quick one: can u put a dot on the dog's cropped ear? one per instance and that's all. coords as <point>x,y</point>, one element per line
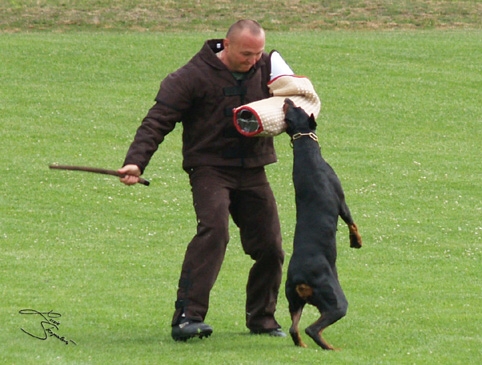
<point>312,122</point>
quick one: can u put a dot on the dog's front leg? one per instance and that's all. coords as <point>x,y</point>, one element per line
<point>355,238</point>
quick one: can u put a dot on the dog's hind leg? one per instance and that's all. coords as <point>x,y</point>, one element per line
<point>316,336</point>
<point>316,329</point>
<point>296,303</point>
<point>294,329</point>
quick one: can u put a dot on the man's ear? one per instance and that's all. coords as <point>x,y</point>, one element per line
<point>312,122</point>
<point>225,43</point>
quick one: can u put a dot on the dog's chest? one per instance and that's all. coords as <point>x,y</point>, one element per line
<point>311,173</point>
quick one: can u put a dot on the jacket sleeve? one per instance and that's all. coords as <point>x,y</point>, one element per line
<point>172,100</point>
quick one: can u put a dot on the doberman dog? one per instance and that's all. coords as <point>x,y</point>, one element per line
<point>312,275</point>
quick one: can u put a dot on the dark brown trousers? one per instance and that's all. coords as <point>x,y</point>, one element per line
<point>244,194</point>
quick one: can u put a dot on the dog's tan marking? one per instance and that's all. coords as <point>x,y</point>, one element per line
<point>304,291</point>
<point>355,238</point>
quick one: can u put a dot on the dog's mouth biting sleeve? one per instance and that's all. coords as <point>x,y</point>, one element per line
<point>265,118</point>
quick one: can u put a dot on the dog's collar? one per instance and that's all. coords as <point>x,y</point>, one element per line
<point>298,135</point>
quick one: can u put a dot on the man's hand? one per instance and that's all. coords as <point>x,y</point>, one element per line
<point>131,172</point>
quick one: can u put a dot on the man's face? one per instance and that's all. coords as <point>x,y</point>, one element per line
<point>243,51</point>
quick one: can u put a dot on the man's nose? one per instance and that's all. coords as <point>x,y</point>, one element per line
<point>253,59</point>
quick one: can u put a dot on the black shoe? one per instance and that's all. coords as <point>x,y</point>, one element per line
<point>188,329</point>
<point>277,332</point>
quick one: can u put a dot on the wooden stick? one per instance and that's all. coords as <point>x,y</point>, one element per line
<point>96,171</point>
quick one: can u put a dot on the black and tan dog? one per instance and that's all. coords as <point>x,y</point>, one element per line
<point>312,275</point>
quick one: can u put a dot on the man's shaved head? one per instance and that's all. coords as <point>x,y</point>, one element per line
<point>243,46</point>
<point>245,24</point>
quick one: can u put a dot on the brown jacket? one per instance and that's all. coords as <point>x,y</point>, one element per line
<point>202,95</point>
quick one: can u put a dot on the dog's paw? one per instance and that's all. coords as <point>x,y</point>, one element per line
<point>355,238</point>
<point>355,241</point>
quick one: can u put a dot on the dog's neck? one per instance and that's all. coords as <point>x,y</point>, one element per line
<point>298,135</point>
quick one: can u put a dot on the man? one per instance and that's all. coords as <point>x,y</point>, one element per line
<point>226,173</point>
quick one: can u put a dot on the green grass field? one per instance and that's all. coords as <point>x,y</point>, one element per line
<point>401,125</point>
